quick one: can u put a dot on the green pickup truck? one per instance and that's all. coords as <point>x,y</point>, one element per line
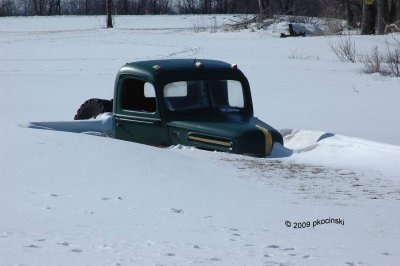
<point>193,102</point>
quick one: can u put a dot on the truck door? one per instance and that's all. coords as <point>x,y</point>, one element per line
<point>137,117</point>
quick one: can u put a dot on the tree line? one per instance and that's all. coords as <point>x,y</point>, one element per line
<point>124,7</point>
<point>372,16</point>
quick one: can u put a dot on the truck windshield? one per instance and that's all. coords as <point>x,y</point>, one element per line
<point>224,95</point>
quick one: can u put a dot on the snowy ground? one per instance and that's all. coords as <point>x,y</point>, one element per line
<point>77,199</point>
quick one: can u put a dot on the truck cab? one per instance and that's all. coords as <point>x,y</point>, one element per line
<point>193,102</point>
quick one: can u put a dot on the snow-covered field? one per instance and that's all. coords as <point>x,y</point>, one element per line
<point>77,199</point>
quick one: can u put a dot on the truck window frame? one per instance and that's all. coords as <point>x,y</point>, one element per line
<point>128,101</point>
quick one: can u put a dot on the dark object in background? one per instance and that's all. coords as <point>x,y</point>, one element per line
<point>293,33</point>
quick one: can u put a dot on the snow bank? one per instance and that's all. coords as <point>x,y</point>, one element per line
<point>315,147</point>
<point>342,152</point>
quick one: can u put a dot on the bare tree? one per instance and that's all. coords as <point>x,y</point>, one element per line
<point>141,7</point>
<point>379,14</point>
<point>109,14</point>
<point>189,6</point>
<point>349,14</point>
<point>222,6</point>
<point>38,7</point>
<point>54,7</point>
<point>382,18</point>
<point>368,18</point>
<point>164,6</point>
<point>286,6</point>
<point>154,7</point>
<point>126,7</point>
<point>263,6</point>
<point>86,7</point>
<point>394,10</point>
<point>7,8</point>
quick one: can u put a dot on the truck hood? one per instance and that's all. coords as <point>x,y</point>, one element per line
<point>248,136</point>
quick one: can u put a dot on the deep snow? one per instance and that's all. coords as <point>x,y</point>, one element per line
<point>77,199</point>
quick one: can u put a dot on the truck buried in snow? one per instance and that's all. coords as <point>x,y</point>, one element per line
<point>202,103</point>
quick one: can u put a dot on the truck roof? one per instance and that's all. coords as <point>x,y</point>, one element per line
<point>169,70</point>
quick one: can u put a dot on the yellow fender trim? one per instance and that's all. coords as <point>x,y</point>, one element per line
<point>268,139</point>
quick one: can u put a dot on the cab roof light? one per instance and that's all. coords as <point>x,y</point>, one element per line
<point>199,64</point>
<point>234,66</point>
<point>158,68</point>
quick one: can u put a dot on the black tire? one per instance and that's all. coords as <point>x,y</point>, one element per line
<point>92,108</point>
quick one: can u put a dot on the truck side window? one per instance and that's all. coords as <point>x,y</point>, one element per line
<point>235,94</point>
<point>138,95</point>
